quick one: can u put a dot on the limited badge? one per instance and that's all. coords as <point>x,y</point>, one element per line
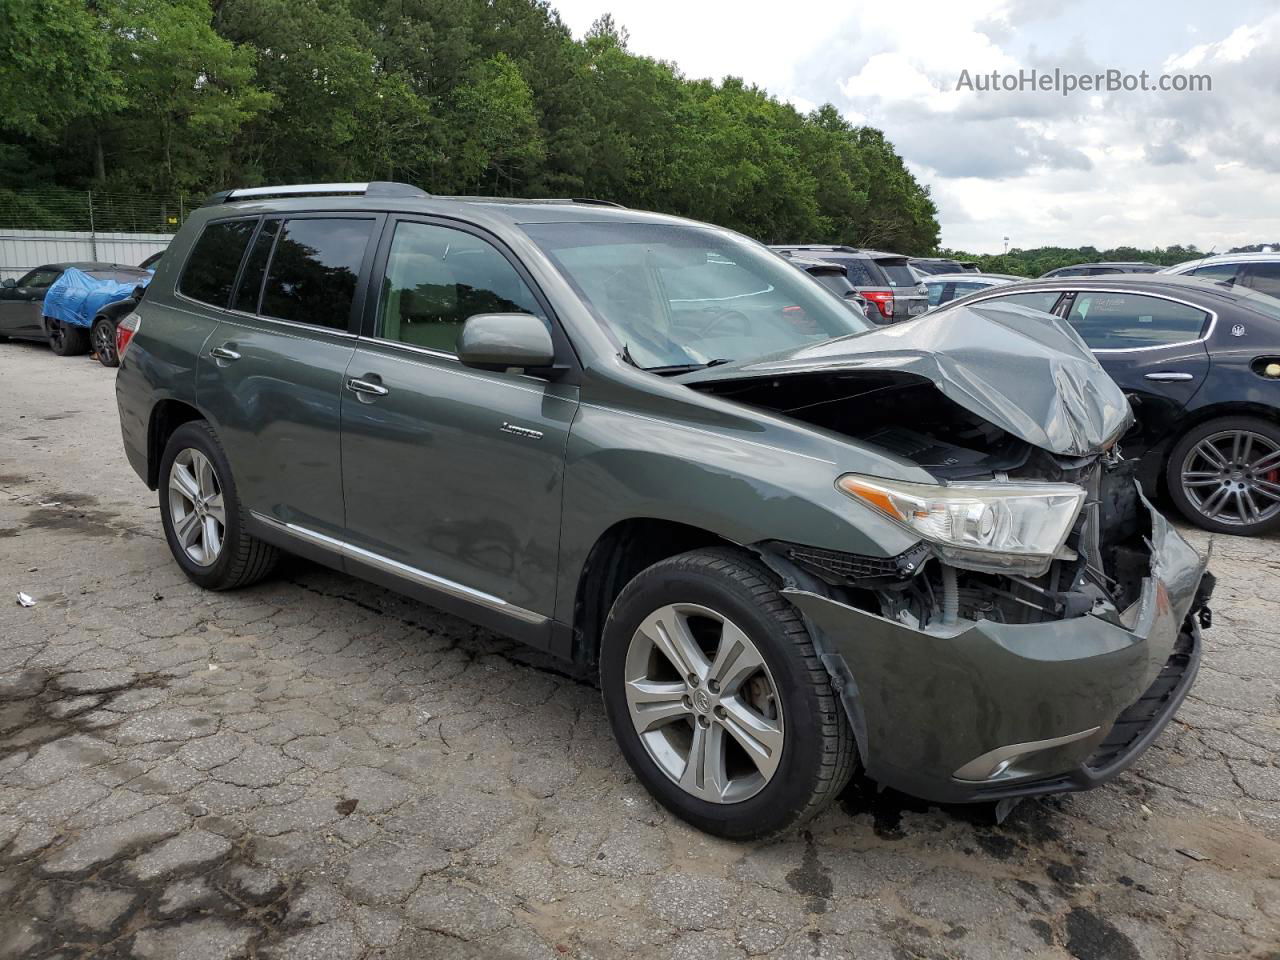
<point>1238,330</point>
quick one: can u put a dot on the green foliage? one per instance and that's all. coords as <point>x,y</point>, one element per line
<point>1038,261</point>
<point>483,96</point>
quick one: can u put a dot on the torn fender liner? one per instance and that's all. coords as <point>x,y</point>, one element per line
<point>1023,370</point>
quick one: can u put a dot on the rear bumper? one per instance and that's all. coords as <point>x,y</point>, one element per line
<point>1016,709</point>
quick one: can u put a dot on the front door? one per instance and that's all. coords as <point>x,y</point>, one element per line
<point>453,476</point>
<point>21,305</point>
<point>1152,346</point>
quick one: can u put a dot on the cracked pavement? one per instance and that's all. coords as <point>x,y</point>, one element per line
<point>316,767</point>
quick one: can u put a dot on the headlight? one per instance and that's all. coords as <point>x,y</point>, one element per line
<point>992,525</point>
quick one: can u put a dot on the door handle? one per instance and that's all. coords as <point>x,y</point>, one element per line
<point>222,353</point>
<point>1168,376</point>
<point>366,391</point>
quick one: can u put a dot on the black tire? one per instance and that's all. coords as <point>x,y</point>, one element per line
<point>66,340</point>
<point>1195,503</point>
<point>818,754</point>
<point>242,559</point>
<point>103,337</point>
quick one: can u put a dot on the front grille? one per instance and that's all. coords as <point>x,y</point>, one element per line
<point>840,567</point>
<point>1150,708</point>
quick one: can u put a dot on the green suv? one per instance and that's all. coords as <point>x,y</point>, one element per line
<point>794,545</point>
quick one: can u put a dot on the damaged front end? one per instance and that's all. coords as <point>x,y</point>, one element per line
<point>967,685</point>
<point>1045,626</point>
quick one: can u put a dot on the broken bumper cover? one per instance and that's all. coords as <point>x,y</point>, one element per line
<point>990,710</point>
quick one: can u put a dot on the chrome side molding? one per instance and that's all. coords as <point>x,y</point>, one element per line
<point>420,577</point>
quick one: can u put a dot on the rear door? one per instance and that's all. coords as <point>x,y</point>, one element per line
<point>272,372</point>
<point>20,305</point>
<point>1153,347</point>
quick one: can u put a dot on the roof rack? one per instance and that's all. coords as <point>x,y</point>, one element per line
<point>374,188</point>
<point>589,200</point>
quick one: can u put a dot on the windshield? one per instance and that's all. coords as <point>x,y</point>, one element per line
<point>678,296</point>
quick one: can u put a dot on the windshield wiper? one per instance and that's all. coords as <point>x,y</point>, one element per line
<point>676,368</point>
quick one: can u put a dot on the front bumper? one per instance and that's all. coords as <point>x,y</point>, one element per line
<point>926,704</point>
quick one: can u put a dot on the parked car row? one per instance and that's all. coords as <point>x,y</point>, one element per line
<point>1199,362</point>
<point>23,315</point>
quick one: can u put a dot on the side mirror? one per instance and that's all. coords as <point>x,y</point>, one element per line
<point>499,341</point>
<point>8,283</point>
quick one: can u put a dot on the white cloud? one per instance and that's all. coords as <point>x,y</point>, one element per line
<point>1098,168</point>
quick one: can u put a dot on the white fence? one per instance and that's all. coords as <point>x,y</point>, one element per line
<point>20,250</point>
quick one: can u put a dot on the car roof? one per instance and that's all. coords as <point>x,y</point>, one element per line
<point>402,198</point>
<point>969,275</point>
<point>823,248</point>
<point>806,262</point>
<point>85,265</point>
<point>1227,258</point>
<point>1170,284</point>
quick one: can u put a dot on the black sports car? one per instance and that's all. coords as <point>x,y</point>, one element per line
<point>22,304</point>
<point>1200,363</point>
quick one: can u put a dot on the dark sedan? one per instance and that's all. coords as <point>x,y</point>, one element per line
<point>1200,363</point>
<point>22,300</point>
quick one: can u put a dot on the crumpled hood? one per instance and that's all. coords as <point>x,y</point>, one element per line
<point>1022,370</point>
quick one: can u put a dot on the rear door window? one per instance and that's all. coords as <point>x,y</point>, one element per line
<point>314,269</point>
<point>210,271</point>
<point>1126,321</point>
<point>1263,277</point>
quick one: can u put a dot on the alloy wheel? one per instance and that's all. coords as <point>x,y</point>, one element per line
<point>196,507</point>
<point>704,703</point>
<point>104,342</point>
<point>1233,477</point>
<point>57,335</point>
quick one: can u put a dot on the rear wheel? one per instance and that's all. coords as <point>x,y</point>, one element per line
<point>717,698</point>
<point>66,340</point>
<point>104,342</point>
<point>202,516</point>
<point>1224,475</point>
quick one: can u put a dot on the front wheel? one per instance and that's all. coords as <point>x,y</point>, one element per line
<point>202,517</point>
<point>104,342</point>
<point>66,340</point>
<point>718,699</point>
<point>1224,475</point>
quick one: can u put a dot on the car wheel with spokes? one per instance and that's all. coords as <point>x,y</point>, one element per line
<point>718,699</point>
<point>64,339</point>
<point>103,338</point>
<point>1224,475</point>
<point>202,515</point>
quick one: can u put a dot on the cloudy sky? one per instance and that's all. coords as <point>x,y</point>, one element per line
<point>1104,169</point>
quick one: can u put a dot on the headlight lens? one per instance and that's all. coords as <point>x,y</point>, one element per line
<point>995,525</point>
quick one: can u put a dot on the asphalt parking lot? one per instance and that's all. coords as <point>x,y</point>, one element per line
<point>317,768</point>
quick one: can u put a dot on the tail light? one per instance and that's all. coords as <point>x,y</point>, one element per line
<point>125,330</point>
<point>882,299</point>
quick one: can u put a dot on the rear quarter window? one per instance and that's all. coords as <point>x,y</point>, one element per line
<point>210,270</point>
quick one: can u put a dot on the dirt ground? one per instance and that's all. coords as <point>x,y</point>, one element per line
<point>318,768</point>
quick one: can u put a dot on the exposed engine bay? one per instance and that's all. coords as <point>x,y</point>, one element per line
<point>1099,570</point>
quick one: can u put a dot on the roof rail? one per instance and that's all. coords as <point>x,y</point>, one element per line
<point>589,200</point>
<point>374,188</point>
